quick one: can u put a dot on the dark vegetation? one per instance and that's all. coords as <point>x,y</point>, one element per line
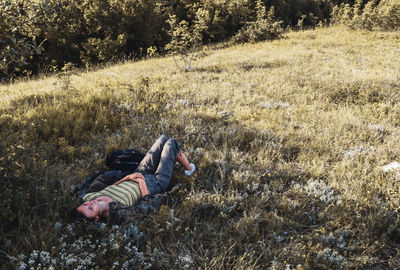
<point>43,35</point>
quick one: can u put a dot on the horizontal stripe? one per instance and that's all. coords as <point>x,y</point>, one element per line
<point>114,194</point>
<point>90,196</point>
<point>127,193</point>
<point>133,189</point>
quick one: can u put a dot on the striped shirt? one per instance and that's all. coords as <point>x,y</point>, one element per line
<point>127,193</point>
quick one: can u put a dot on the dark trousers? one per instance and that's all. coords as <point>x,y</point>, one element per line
<point>158,164</point>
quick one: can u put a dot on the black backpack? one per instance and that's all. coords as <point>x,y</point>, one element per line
<point>124,160</point>
<point>121,163</point>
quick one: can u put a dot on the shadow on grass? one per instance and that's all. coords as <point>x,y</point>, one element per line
<point>239,209</point>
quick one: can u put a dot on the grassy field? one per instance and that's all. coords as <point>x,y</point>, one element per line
<point>289,138</point>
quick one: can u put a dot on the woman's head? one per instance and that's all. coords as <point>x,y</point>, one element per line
<point>94,209</point>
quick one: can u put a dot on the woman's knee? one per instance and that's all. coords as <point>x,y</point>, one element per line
<point>163,138</point>
<point>160,142</point>
<point>158,145</point>
<point>173,145</point>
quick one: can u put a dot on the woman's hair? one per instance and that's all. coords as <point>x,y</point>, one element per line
<point>76,214</point>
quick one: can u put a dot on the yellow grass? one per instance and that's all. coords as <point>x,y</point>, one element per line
<point>318,109</point>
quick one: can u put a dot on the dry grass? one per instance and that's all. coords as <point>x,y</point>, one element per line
<point>289,137</point>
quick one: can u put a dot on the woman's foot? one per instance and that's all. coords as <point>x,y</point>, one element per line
<point>191,171</point>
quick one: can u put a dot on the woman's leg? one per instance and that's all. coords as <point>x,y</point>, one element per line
<point>182,159</point>
<point>151,160</point>
<point>166,166</point>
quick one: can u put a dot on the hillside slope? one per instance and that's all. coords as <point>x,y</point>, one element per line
<point>289,138</point>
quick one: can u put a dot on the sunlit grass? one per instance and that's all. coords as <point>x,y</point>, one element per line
<point>289,137</point>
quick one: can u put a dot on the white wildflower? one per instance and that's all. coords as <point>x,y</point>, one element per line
<point>185,260</point>
<point>102,226</point>
<point>320,190</point>
<point>21,266</point>
<point>391,167</point>
<point>33,257</point>
<point>71,259</point>
<point>45,257</point>
<point>70,227</point>
<point>380,129</point>
<point>337,239</point>
<point>252,186</point>
<point>278,238</point>
<point>57,226</point>
<point>115,265</point>
<point>183,102</point>
<point>331,256</point>
<point>169,224</point>
<point>115,246</point>
<point>224,114</point>
<point>171,213</point>
<point>272,104</point>
<point>356,150</point>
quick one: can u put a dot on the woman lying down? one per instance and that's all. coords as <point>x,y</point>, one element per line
<point>152,176</point>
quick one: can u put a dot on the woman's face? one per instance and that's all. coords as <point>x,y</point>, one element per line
<point>91,209</point>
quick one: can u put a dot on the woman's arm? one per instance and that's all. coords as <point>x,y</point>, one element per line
<point>138,178</point>
<point>131,177</point>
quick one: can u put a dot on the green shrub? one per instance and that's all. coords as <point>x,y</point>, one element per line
<point>39,35</point>
<point>308,12</point>
<point>384,15</point>
<point>76,31</point>
<point>18,43</point>
<point>266,27</point>
<point>185,40</point>
<point>226,17</point>
<point>116,28</point>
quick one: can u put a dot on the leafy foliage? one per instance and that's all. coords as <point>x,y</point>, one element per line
<point>118,27</point>
<point>184,40</point>
<point>39,35</point>
<point>77,31</point>
<point>374,15</point>
<point>266,27</point>
<point>18,43</point>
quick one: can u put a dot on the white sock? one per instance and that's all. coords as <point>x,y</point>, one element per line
<point>193,168</point>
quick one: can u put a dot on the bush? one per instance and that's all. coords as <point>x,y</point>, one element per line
<point>18,43</point>
<point>308,12</point>
<point>116,28</point>
<point>76,31</point>
<point>266,27</point>
<point>371,16</point>
<point>185,39</point>
<point>38,35</point>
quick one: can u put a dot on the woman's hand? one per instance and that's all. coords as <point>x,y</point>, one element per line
<point>132,177</point>
<point>138,178</point>
<point>143,187</point>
